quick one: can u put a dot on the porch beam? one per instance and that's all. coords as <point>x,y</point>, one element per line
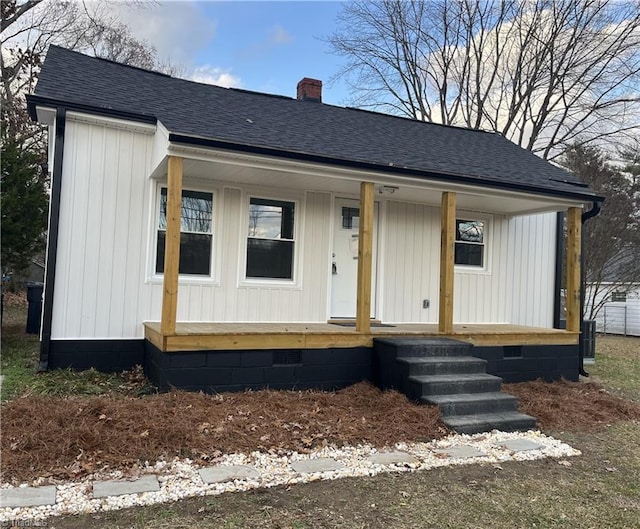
<point>172,247</point>
<point>365,257</point>
<point>574,237</point>
<point>447,250</point>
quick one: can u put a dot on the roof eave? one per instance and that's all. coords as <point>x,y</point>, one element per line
<point>34,100</point>
<point>307,157</point>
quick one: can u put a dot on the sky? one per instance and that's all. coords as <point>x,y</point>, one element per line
<point>265,46</point>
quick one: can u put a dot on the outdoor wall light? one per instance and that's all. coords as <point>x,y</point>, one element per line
<point>387,190</point>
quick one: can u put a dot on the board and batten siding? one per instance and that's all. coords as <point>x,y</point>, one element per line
<point>516,288</point>
<point>227,301</point>
<point>102,241</point>
<point>104,287</point>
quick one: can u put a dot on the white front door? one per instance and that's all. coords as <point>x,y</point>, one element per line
<point>344,261</point>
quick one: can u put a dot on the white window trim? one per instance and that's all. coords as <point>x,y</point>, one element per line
<point>485,269</point>
<point>185,279</point>
<point>271,194</point>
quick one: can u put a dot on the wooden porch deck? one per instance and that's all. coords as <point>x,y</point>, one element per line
<point>198,336</point>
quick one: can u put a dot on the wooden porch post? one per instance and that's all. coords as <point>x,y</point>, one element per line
<point>574,227</point>
<point>365,256</point>
<point>172,246</point>
<point>447,249</point>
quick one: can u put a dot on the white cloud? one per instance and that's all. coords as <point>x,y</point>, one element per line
<point>178,30</point>
<point>217,76</point>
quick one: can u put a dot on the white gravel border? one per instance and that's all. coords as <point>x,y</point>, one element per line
<point>179,478</point>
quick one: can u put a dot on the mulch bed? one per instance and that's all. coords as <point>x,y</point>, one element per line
<point>578,406</point>
<point>70,437</point>
<point>65,438</point>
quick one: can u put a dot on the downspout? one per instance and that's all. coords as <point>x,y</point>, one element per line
<point>52,239</point>
<point>594,211</point>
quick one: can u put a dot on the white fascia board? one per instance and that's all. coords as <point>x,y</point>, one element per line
<point>159,151</point>
<point>46,115</point>
<point>547,203</point>
<point>115,123</point>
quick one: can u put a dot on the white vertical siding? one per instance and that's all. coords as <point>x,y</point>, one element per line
<point>411,262</point>
<point>106,241</point>
<point>102,233</point>
<point>517,286</point>
<point>102,288</point>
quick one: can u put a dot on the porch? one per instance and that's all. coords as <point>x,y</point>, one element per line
<point>170,335</point>
<point>200,336</point>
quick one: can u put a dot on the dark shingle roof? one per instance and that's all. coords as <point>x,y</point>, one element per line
<point>286,124</point>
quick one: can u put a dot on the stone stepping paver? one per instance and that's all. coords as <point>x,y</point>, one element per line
<point>322,464</point>
<point>103,489</point>
<point>519,445</point>
<point>460,452</point>
<point>392,458</point>
<point>28,496</point>
<point>221,473</point>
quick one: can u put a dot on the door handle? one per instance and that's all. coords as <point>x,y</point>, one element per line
<point>334,266</point>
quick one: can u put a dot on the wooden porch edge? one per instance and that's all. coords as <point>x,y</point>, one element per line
<point>313,339</point>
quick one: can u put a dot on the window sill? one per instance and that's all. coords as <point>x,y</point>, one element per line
<point>473,270</point>
<point>269,283</point>
<point>186,280</point>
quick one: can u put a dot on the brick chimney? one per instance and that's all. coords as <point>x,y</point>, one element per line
<point>310,90</point>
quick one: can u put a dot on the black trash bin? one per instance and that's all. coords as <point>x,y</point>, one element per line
<point>34,297</point>
<point>589,339</point>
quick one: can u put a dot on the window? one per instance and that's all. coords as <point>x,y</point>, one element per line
<point>270,242</point>
<point>470,243</point>
<point>619,296</point>
<point>350,218</point>
<point>196,232</point>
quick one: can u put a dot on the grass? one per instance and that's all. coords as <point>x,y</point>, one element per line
<point>19,353</point>
<point>618,365</point>
<point>20,359</point>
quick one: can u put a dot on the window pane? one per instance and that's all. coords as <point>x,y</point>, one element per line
<point>196,214</point>
<point>350,218</point>
<point>469,254</point>
<point>470,231</point>
<point>269,258</point>
<point>195,253</point>
<point>271,219</point>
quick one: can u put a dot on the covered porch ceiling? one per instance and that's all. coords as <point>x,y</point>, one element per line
<point>227,168</point>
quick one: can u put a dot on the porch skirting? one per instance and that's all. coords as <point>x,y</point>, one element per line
<point>218,371</point>
<point>326,368</point>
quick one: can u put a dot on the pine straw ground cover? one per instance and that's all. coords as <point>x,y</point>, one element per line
<point>575,406</point>
<point>62,438</point>
<point>68,437</point>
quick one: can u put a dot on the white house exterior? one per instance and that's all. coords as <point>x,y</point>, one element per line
<point>272,242</point>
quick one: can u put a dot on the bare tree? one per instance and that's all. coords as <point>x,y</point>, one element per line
<point>544,73</point>
<point>612,239</point>
<point>28,28</point>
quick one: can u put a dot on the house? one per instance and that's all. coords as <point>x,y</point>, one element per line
<point>617,307</point>
<point>229,239</point>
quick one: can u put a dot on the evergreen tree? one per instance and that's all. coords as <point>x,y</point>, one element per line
<point>24,205</point>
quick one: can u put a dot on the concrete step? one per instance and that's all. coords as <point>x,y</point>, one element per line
<point>440,365</point>
<point>403,347</point>
<point>511,421</point>
<point>423,385</point>
<point>472,403</point>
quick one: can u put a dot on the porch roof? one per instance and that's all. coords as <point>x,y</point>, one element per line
<point>276,125</point>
